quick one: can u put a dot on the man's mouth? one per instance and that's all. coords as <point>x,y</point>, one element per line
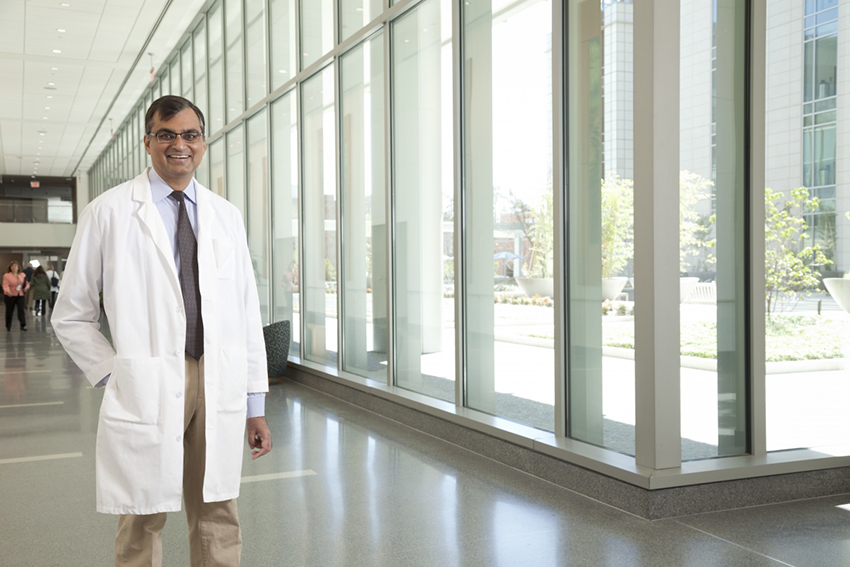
<point>179,156</point>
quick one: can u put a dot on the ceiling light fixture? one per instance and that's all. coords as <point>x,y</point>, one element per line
<point>46,108</point>
<point>60,30</point>
<point>65,5</point>
<point>49,96</point>
<point>57,51</point>
<point>50,84</point>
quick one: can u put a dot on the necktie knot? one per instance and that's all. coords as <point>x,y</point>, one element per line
<point>179,195</point>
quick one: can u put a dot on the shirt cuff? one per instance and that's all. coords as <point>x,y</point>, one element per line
<point>256,404</point>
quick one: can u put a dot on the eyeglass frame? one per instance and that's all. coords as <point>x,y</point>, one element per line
<point>175,134</point>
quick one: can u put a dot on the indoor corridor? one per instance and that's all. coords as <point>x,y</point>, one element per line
<point>344,487</point>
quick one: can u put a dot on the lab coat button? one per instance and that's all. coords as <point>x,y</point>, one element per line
<point>177,352</point>
<point>179,395</point>
<point>178,439</point>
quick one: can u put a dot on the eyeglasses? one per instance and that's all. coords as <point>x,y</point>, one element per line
<point>166,137</point>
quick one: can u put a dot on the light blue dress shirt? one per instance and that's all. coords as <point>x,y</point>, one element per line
<point>168,208</point>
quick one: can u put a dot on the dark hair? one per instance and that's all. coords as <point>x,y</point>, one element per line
<point>38,271</point>
<point>168,107</point>
<point>13,263</point>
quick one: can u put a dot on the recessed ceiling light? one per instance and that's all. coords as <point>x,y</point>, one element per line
<point>50,84</point>
<point>46,108</point>
<point>60,30</point>
<point>50,96</point>
<point>54,68</point>
<point>65,5</point>
<point>42,133</point>
<point>57,51</point>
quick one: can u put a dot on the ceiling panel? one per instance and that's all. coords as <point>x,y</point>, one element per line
<point>99,42</point>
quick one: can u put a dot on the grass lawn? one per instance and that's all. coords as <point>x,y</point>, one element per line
<point>789,337</point>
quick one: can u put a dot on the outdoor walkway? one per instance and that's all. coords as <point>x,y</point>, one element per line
<point>346,488</point>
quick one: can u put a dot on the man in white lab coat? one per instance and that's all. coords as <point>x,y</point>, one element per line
<point>185,373</point>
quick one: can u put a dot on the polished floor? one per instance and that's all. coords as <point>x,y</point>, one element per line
<point>344,487</point>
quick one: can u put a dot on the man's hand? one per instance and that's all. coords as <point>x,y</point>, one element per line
<point>259,436</point>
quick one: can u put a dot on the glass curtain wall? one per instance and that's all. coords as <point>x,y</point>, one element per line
<point>286,280</point>
<point>199,42</point>
<point>317,30</point>
<point>235,188</point>
<point>807,229</point>
<point>364,222</point>
<point>215,112</point>
<point>508,235</point>
<point>258,218</point>
<point>216,159</point>
<point>186,82</point>
<point>354,14</point>
<point>423,229</point>
<point>712,237</point>
<point>235,83</point>
<point>319,193</point>
<point>282,41</point>
<point>255,51</point>
<point>601,225</point>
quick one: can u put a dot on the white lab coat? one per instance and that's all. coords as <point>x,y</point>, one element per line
<point>121,247</point>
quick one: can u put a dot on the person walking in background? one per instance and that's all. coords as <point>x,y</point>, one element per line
<point>54,284</point>
<point>15,286</point>
<point>185,373</point>
<point>28,272</point>
<point>40,285</point>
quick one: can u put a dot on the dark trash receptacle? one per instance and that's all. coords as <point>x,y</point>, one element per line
<point>277,337</point>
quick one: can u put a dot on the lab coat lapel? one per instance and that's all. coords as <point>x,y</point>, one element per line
<point>151,221</point>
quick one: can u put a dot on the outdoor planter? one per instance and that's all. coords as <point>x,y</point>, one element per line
<point>543,287</point>
<point>839,289</point>
<point>612,287</point>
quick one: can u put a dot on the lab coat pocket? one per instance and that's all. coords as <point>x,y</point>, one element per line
<point>224,258</point>
<point>133,391</point>
<point>233,381</point>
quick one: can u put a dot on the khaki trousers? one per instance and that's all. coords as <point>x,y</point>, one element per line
<point>215,539</point>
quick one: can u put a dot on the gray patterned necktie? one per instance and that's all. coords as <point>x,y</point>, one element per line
<point>188,247</point>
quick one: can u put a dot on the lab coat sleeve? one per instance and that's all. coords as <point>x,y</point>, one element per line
<point>258,378</point>
<point>76,315</point>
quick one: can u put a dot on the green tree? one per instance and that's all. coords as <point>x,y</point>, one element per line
<point>617,224</point>
<point>790,266</point>
<point>694,229</point>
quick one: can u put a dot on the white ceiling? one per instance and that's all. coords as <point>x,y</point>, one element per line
<point>51,103</point>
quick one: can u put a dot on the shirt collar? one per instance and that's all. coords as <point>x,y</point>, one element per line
<point>160,189</point>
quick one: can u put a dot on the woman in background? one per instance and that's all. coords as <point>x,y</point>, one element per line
<point>14,288</point>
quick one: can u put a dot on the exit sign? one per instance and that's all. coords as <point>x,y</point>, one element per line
<point>35,184</point>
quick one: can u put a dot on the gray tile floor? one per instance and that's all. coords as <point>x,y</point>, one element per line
<point>363,491</point>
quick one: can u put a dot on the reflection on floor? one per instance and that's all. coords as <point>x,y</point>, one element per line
<point>344,487</point>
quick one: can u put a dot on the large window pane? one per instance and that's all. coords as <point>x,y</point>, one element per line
<point>255,50</point>
<point>354,14</point>
<point>199,40</point>
<point>509,209</point>
<point>807,230</point>
<point>233,55</point>
<point>423,232</point>
<point>236,170</point>
<point>319,159</point>
<point>316,30</point>
<point>216,157</point>
<point>601,204</point>
<point>712,229</point>
<point>282,41</point>
<point>186,70</point>
<point>258,209</point>
<point>215,116</point>
<point>364,204</point>
<point>287,275</point>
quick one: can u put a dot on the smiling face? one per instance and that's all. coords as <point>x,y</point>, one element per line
<point>176,161</point>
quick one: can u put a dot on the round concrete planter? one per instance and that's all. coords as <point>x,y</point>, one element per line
<point>543,287</point>
<point>839,289</point>
<point>612,287</point>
